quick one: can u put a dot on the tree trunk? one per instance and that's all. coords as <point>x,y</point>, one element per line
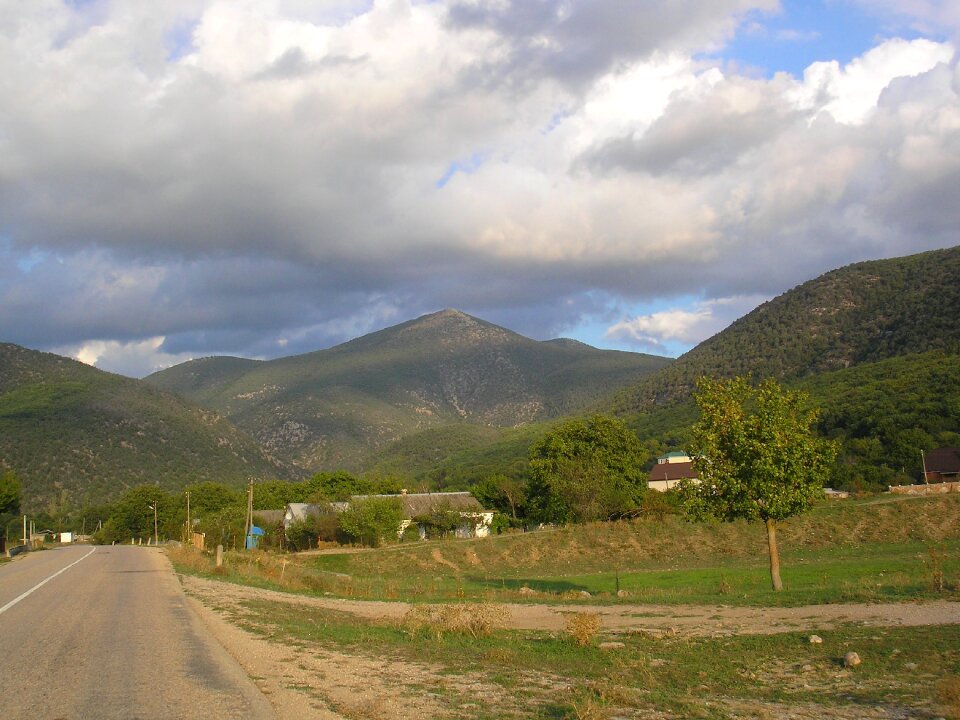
<point>774,555</point>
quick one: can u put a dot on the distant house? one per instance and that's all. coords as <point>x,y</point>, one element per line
<point>942,465</point>
<point>298,512</point>
<point>670,470</point>
<point>475,521</point>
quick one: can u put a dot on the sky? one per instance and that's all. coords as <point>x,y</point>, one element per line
<point>260,179</point>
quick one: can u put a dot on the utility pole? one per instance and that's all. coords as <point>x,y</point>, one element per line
<point>188,536</point>
<point>24,529</point>
<point>923,462</point>
<point>155,534</point>
<point>249,527</point>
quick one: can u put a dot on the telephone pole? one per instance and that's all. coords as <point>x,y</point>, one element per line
<point>249,524</point>
<point>188,535</point>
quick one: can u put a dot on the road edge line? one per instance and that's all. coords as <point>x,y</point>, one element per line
<point>44,582</point>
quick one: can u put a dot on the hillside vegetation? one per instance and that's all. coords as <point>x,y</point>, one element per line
<point>858,314</point>
<point>75,434</point>
<point>338,408</point>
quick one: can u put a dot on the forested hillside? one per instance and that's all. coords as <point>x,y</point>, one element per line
<point>339,408</point>
<point>76,434</point>
<point>858,314</point>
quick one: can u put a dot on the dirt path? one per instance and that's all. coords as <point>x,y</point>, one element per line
<point>691,620</point>
<point>305,680</point>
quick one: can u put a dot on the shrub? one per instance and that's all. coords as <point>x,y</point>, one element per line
<point>473,619</point>
<point>583,627</point>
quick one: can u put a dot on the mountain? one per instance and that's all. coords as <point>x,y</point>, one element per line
<point>69,429</point>
<point>857,314</point>
<point>337,408</point>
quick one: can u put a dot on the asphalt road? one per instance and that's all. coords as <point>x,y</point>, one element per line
<point>111,636</point>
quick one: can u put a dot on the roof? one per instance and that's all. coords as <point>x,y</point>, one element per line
<point>943,460</point>
<point>416,504</point>
<point>300,511</point>
<point>270,517</point>
<point>673,471</point>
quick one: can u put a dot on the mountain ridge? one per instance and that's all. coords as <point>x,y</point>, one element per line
<point>71,430</point>
<point>860,313</point>
<point>336,407</point>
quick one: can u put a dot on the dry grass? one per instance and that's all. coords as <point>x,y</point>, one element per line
<point>473,619</point>
<point>948,695</point>
<point>583,627</point>
<point>647,540</point>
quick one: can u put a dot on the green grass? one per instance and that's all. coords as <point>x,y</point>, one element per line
<point>872,550</point>
<point>661,563</point>
<point>550,676</point>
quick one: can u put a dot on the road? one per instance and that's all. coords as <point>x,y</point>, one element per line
<point>111,636</point>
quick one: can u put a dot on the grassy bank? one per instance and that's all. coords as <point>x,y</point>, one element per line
<point>883,549</point>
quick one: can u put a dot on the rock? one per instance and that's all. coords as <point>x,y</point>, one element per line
<point>527,591</point>
<point>851,659</point>
<point>910,666</point>
<point>815,640</point>
<point>584,594</point>
<point>807,668</point>
<point>623,593</point>
<point>612,646</point>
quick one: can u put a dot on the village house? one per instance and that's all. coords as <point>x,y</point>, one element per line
<point>474,520</point>
<point>671,469</point>
<point>941,465</point>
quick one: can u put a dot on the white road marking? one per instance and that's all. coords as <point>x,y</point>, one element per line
<point>41,584</point>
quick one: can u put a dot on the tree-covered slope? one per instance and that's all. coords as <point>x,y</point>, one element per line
<point>336,408</point>
<point>881,415</point>
<point>858,314</point>
<point>66,427</point>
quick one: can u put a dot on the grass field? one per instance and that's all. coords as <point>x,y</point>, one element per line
<point>905,672</point>
<point>866,551</point>
<point>875,550</point>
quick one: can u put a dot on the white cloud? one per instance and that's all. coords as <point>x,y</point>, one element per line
<point>134,359</point>
<point>233,176</point>
<point>851,93</point>
<point>686,326</point>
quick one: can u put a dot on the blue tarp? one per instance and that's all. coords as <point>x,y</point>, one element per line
<point>253,539</point>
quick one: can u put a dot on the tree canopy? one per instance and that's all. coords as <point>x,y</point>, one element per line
<point>757,456</point>
<point>586,469</point>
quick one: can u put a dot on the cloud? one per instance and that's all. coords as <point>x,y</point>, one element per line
<point>684,326</point>
<point>268,178</point>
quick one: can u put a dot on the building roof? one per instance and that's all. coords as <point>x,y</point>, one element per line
<point>300,511</point>
<point>270,517</point>
<point>417,504</point>
<point>945,460</point>
<point>673,471</point>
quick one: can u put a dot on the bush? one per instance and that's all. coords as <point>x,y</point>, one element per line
<point>372,521</point>
<point>473,619</point>
<point>583,627</point>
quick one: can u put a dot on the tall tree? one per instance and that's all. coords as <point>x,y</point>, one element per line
<point>9,493</point>
<point>757,456</point>
<point>586,469</point>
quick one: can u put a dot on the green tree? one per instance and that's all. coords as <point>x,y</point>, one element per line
<point>9,493</point>
<point>132,514</point>
<point>757,456</point>
<point>586,469</point>
<point>500,492</point>
<point>333,486</point>
<point>207,498</point>
<point>371,521</point>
